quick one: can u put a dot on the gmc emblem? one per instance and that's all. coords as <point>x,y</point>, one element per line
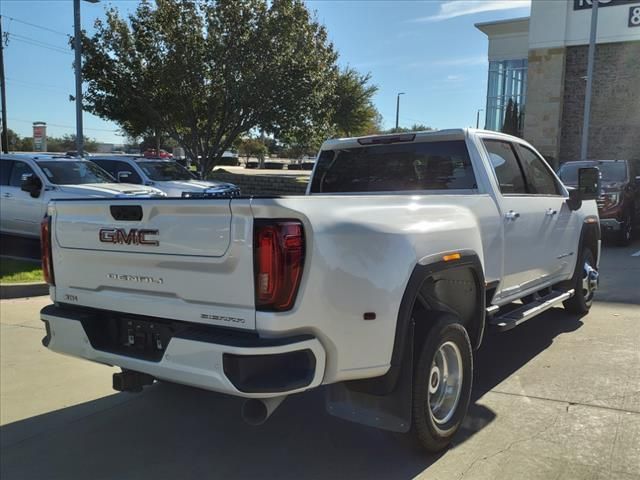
<point>132,237</point>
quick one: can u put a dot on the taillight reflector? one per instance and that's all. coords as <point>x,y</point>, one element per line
<point>45,249</point>
<point>278,263</point>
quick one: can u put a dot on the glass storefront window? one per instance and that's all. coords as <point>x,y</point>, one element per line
<point>507,81</point>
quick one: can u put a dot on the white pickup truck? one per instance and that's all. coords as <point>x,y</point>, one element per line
<point>378,283</point>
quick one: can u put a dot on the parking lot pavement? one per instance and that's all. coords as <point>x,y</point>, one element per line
<point>557,397</point>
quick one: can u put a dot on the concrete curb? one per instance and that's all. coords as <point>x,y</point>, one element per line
<point>21,290</point>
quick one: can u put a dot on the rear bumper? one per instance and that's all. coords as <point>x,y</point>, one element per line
<point>218,360</point>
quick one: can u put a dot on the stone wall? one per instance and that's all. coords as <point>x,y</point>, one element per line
<point>265,184</point>
<point>543,110</point>
<point>614,132</point>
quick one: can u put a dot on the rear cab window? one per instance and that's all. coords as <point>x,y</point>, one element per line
<point>415,166</point>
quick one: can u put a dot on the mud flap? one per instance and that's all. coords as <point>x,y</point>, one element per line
<point>388,412</point>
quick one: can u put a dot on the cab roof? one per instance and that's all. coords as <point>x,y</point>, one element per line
<point>417,136</point>
<point>39,157</point>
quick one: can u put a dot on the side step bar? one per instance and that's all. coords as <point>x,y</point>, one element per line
<point>520,315</point>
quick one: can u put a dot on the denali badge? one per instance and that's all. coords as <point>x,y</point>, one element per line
<point>132,237</point>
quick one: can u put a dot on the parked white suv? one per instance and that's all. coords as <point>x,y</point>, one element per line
<point>29,182</point>
<point>165,174</point>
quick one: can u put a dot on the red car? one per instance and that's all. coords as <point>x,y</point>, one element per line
<point>153,153</point>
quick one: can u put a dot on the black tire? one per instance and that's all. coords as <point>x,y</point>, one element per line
<point>582,300</point>
<point>625,234</point>
<point>435,434</point>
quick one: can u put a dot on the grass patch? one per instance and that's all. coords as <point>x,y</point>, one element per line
<point>15,271</point>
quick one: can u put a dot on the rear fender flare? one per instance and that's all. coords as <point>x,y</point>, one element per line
<point>404,337</point>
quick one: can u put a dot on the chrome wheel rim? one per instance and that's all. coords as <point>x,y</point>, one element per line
<point>445,382</point>
<point>589,281</point>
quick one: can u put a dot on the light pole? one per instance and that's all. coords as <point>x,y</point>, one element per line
<point>4,136</point>
<point>478,117</point>
<point>77,46</point>
<point>584,147</point>
<point>398,108</point>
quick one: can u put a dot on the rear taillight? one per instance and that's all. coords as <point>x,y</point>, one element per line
<point>278,262</point>
<point>45,246</point>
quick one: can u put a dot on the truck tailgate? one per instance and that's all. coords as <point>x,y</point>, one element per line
<point>181,259</point>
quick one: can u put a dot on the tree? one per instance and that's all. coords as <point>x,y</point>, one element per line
<point>354,113</point>
<point>67,143</point>
<point>207,72</point>
<point>252,147</point>
<point>14,140</point>
<point>416,127</point>
<point>512,119</point>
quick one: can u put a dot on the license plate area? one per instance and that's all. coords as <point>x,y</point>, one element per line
<point>143,338</point>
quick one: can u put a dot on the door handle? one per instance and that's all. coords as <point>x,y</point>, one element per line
<point>551,212</point>
<point>511,215</point>
<point>7,195</point>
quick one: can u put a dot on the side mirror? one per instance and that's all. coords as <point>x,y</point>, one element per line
<point>638,181</point>
<point>588,187</point>
<point>32,185</point>
<point>589,183</point>
<point>123,176</point>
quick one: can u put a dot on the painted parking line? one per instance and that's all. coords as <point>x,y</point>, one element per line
<point>637,254</point>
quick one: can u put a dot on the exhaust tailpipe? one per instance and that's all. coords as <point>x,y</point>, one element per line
<point>255,411</point>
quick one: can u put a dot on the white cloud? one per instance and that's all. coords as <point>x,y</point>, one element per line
<point>457,8</point>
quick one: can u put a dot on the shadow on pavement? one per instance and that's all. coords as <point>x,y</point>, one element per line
<point>13,246</point>
<point>502,354</point>
<point>179,432</point>
<point>171,431</point>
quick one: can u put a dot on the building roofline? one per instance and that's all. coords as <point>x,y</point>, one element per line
<point>500,22</point>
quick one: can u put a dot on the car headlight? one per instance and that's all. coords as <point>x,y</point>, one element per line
<point>611,198</point>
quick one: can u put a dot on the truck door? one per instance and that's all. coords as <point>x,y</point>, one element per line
<point>528,225</point>
<point>560,226</point>
<point>21,212</point>
<point>5,173</point>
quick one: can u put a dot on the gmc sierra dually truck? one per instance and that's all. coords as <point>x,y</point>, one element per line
<point>377,284</point>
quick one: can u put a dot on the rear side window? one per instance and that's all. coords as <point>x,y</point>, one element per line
<point>540,181</point>
<point>115,166</point>
<point>399,167</point>
<point>5,171</point>
<point>107,165</point>
<point>505,164</point>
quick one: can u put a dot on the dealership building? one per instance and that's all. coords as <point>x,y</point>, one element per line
<point>537,78</point>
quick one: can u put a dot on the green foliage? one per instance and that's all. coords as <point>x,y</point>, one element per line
<point>67,143</point>
<point>252,147</point>
<point>207,72</point>
<point>513,119</point>
<point>18,143</point>
<point>354,113</point>
<point>13,271</point>
<point>416,127</point>
<point>54,144</point>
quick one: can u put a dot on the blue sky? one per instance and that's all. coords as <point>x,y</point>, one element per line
<point>428,49</point>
